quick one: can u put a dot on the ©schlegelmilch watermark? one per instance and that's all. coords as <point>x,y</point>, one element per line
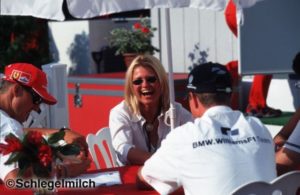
<point>50,184</point>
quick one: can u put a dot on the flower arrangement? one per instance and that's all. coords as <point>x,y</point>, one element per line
<point>134,40</point>
<point>36,152</point>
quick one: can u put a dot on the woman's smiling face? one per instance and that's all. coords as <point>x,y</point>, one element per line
<point>146,86</point>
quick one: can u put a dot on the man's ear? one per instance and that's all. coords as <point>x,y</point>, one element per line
<point>196,106</point>
<point>194,100</point>
<point>17,90</point>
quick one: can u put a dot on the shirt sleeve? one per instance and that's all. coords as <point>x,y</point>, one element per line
<point>293,143</point>
<point>121,133</point>
<point>5,169</point>
<point>8,126</point>
<point>161,171</point>
<point>184,115</point>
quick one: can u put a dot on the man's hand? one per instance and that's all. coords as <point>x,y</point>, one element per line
<point>70,137</point>
<point>279,141</point>
<point>76,138</point>
<point>74,166</point>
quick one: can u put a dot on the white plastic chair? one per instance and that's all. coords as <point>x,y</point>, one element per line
<point>286,184</point>
<point>101,139</point>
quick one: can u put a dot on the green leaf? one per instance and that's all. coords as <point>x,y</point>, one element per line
<point>70,149</point>
<point>14,157</point>
<point>133,40</point>
<point>24,163</point>
<point>55,137</point>
<point>22,170</point>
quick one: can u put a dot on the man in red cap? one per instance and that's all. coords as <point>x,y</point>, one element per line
<point>23,88</point>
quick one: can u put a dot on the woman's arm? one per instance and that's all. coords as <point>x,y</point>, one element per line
<point>136,156</point>
<point>121,132</point>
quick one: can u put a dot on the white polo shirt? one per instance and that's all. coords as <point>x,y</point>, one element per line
<point>212,156</point>
<point>8,125</point>
<point>293,143</point>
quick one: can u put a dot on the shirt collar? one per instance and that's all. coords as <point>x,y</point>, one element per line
<point>138,117</point>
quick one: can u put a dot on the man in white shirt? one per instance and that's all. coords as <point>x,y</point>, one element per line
<point>221,150</point>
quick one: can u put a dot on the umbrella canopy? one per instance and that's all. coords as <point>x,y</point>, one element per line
<point>52,9</point>
<point>48,9</point>
<point>92,8</point>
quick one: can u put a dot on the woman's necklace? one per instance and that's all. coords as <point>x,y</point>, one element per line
<point>150,135</point>
<point>149,126</point>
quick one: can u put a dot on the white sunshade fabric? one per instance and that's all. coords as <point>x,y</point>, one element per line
<point>92,8</point>
<point>52,9</point>
<point>48,9</point>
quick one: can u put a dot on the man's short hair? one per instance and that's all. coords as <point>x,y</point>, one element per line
<point>210,99</point>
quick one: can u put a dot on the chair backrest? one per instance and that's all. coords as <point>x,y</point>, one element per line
<point>286,184</point>
<point>103,141</point>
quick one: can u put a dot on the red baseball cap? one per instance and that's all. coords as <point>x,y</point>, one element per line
<point>29,75</point>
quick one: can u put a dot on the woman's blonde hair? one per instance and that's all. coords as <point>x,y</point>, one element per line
<point>153,63</point>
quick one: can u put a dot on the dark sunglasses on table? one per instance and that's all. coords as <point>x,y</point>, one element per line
<point>139,81</point>
<point>36,99</point>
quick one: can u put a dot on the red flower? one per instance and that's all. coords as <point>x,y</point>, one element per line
<point>145,30</point>
<point>137,25</point>
<point>45,155</point>
<point>34,137</point>
<point>13,145</point>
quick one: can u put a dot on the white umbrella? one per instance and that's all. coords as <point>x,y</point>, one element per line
<point>48,9</point>
<point>52,9</point>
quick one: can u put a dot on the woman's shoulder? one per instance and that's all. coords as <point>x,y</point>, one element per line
<point>179,106</point>
<point>121,110</point>
<point>181,111</point>
<point>120,107</point>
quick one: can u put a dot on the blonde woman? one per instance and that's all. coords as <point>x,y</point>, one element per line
<point>139,123</point>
